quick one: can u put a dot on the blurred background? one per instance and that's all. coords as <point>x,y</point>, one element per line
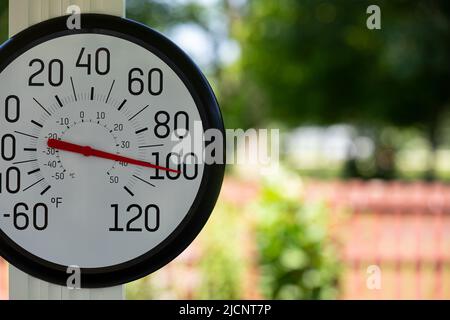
<point>362,192</point>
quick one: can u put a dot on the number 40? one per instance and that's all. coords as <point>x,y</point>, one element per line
<point>102,61</point>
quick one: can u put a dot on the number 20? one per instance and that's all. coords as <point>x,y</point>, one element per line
<point>55,73</point>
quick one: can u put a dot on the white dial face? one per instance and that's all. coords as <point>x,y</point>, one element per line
<point>93,98</point>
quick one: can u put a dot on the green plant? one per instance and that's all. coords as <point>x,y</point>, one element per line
<point>141,290</point>
<point>222,263</point>
<point>297,257</point>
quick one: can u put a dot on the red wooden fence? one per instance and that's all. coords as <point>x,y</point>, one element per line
<point>3,280</point>
<point>403,228</point>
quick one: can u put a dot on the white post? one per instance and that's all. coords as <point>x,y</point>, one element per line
<point>22,14</point>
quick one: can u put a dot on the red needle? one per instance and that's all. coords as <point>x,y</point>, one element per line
<point>90,152</point>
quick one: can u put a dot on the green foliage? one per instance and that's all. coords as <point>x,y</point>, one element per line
<point>297,257</point>
<point>3,21</point>
<point>315,61</point>
<point>222,264</point>
<point>163,14</point>
<point>142,289</point>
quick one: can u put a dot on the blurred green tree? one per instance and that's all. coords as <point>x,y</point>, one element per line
<point>317,62</point>
<point>164,15</point>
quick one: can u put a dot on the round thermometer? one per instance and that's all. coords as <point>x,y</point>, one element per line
<point>91,170</point>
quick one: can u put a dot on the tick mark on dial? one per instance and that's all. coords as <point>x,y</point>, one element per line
<point>138,113</point>
<point>59,101</point>
<point>39,181</point>
<point>139,178</point>
<point>43,108</point>
<point>141,130</point>
<point>151,146</point>
<point>26,161</point>
<point>37,124</point>
<point>34,171</point>
<point>122,104</point>
<point>129,191</point>
<point>26,135</point>
<point>73,89</point>
<point>30,149</point>
<point>109,93</point>
<point>45,190</point>
<point>6,215</point>
<point>92,93</point>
